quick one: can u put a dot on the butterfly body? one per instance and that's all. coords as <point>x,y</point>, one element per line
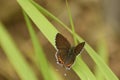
<point>66,54</point>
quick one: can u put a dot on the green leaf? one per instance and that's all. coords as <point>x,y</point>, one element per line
<point>15,57</point>
<point>71,22</point>
<point>103,52</point>
<point>41,60</point>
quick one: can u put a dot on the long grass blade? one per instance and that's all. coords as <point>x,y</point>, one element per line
<point>15,57</point>
<point>40,57</point>
<point>71,22</point>
<point>103,52</point>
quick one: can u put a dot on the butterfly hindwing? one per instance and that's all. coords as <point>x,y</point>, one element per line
<point>69,61</point>
<point>60,56</point>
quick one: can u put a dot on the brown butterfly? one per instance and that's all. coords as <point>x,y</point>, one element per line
<point>66,54</point>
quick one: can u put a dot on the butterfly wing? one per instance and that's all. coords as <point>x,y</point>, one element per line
<point>61,56</point>
<point>79,48</point>
<point>69,61</point>
<point>61,42</point>
<point>63,47</point>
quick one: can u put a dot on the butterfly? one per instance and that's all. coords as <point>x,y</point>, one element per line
<point>66,54</point>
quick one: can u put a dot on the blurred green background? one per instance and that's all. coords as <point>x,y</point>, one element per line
<point>94,20</point>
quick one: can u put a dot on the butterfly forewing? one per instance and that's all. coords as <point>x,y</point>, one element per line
<point>79,48</point>
<point>61,42</point>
